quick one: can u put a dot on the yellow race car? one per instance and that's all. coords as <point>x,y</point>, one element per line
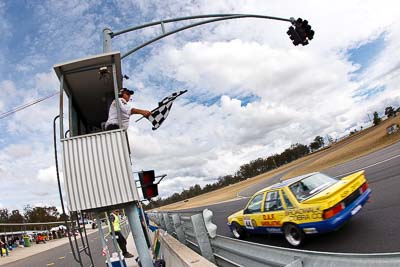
<point>309,204</point>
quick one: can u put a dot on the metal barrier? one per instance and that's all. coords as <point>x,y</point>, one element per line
<point>191,229</point>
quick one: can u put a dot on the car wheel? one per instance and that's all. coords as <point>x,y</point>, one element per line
<point>293,234</point>
<point>238,231</point>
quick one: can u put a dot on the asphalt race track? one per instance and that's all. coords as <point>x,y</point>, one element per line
<point>375,229</point>
<point>61,256</point>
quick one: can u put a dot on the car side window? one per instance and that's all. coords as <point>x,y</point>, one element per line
<point>289,204</point>
<point>273,201</point>
<point>255,204</point>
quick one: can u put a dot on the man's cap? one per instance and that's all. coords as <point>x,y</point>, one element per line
<point>126,90</point>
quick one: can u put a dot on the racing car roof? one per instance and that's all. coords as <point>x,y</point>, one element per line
<point>286,182</point>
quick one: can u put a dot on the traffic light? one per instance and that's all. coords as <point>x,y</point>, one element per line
<point>301,33</point>
<point>149,188</point>
<point>293,35</point>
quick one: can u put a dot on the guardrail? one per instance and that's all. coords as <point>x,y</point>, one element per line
<point>195,230</point>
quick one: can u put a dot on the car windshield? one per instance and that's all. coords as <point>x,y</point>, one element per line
<point>311,185</point>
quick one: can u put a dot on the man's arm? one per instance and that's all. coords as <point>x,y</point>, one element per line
<point>142,112</point>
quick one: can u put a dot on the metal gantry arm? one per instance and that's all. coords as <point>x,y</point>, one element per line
<point>108,34</point>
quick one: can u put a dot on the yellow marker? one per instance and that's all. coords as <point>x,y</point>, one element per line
<point>60,258</point>
<point>49,264</point>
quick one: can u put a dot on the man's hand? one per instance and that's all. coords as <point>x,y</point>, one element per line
<point>146,113</point>
<point>143,112</point>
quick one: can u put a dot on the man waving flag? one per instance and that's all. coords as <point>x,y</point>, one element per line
<point>159,114</point>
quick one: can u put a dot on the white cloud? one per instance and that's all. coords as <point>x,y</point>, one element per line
<point>48,175</point>
<point>7,91</point>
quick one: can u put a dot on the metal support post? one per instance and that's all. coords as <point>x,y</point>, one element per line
<point>202,237</point>
<point>102,238</point>
<point>106,40</point>
<point>61,112</point>
<point>145,225</point>
<point>162,221</point>
<point>138,236</point>
<point>116,90</point>
<point>178,228</point>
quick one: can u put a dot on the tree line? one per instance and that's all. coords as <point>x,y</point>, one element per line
<point>248,170</point>
<point>29,215</point>
<point>258,166</point>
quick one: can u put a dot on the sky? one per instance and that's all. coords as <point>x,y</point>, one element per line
<point>251,93</point>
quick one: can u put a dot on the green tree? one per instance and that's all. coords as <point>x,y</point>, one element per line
<point>63,217</point>
<point>319,140</point>
<point>4,215</point>
<point>16,217</point>
<point>376,119</point>
<point>389,112</point>
<point>40,214</point>
<point>317,143</point>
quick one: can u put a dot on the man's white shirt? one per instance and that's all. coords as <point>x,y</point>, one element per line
<point>125,113</point>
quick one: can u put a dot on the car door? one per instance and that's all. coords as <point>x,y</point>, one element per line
<point>252,213</point>
<point>274,212</point>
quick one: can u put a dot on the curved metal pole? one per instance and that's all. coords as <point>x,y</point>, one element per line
<point>113,34</point>
<point>224,17</point>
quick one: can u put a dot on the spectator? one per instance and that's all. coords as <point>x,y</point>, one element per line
<point>114,219</point>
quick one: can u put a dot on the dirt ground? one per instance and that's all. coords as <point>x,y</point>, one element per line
<point>357,145</point>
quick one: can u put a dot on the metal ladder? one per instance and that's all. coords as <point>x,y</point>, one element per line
<point>76,248</point>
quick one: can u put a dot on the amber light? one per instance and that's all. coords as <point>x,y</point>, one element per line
<point>333,211</point>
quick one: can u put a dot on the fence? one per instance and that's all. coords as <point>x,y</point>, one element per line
<point>195,230</point>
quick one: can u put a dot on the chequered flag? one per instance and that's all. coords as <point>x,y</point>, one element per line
<point>159,114</point>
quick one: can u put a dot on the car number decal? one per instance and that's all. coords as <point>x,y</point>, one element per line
<point>248,223</point>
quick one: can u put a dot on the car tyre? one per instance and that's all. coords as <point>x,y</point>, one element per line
<point>293,234</point>
<point>238,231</point>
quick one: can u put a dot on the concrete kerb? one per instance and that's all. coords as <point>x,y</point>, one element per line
<point>172,251</point>
<point>176,254</point>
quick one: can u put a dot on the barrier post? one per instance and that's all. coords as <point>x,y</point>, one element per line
<point>179,228</point>
<point>168,224</point>
<point>202,237</point>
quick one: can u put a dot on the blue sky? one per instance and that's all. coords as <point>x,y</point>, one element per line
<point>366,53</point>
<point>251,93</point>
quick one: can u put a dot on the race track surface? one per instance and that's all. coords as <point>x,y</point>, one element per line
<point>375,229</point>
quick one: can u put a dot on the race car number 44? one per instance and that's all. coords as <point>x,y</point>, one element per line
<point>355,210</point>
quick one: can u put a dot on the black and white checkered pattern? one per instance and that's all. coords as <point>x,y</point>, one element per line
<point>159,114</point>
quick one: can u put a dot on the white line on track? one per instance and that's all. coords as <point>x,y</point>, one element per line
<point>343,174</point>
<point>369,166</point>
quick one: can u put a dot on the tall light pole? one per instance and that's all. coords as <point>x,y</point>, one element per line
<point>300,33</point>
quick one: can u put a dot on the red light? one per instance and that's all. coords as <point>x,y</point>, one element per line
<point>149,188</point>
<point>333,211</point>
<point>151,191</point>
<point>364,187</point>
